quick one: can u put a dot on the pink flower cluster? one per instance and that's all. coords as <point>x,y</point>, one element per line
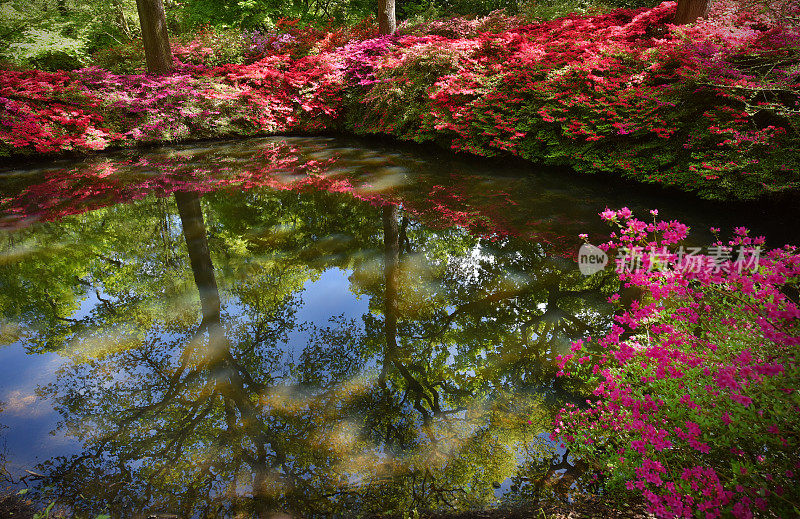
<point>696,385</point>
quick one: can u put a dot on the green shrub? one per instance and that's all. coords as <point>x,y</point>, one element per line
<point>47,50</point>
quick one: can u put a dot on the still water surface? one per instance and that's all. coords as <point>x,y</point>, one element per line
<point>317,326</point>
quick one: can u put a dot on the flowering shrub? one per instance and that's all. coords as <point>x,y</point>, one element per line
<point>297,40</point>
<point>211,47</point>
<point>397,101</point>
<point>49,111</point>
<point>603,94</point>
<point>124,58</point>
<point>710,108</point>
<point>696,387</point>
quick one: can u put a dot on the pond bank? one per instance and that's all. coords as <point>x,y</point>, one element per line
<point>622,93</point>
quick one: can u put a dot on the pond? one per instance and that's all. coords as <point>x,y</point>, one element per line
<point>324,327</point>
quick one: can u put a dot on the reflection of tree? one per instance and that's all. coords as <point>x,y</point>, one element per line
<point>232,380</point>
<point>194,232</point>
<point>391,240</point>
<point>392,356</point>
<point>114,256</point>
<point>426,405</point>
<point>202,401</point>
<point>517,323</point>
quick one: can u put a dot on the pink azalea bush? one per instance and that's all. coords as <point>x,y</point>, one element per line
<point>696,399</point>
<point>711,108</point>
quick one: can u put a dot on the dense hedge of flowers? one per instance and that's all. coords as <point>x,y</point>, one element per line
<point>711,108</point>
<point>696,387</point>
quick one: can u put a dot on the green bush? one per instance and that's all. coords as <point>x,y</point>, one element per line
<point>540,10</point>
<point>47,50</point>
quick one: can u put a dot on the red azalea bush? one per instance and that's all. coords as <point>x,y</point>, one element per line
<point>711,108</point>
<point>625,92</point>
<point>696,399</point>
<point>50,111</point>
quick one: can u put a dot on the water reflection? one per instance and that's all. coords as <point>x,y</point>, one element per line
<point>190,384</point>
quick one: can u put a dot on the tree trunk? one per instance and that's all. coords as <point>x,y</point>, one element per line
<point>689,11</point>
<point>154,35</point>
<point>386,19</point>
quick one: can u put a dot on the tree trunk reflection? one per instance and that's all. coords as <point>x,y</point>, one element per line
<point>219,361</point>
<point>194,232</point>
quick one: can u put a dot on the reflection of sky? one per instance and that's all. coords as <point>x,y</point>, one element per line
<point>326,297</point>
<point>330,295</point>
<point>27,418</point>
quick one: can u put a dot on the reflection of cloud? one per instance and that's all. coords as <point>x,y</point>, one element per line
<point>17,402</point>
<point>56,441</point>
<point>20,252</point>
<point>384,180</point>
<point>16,254</point>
